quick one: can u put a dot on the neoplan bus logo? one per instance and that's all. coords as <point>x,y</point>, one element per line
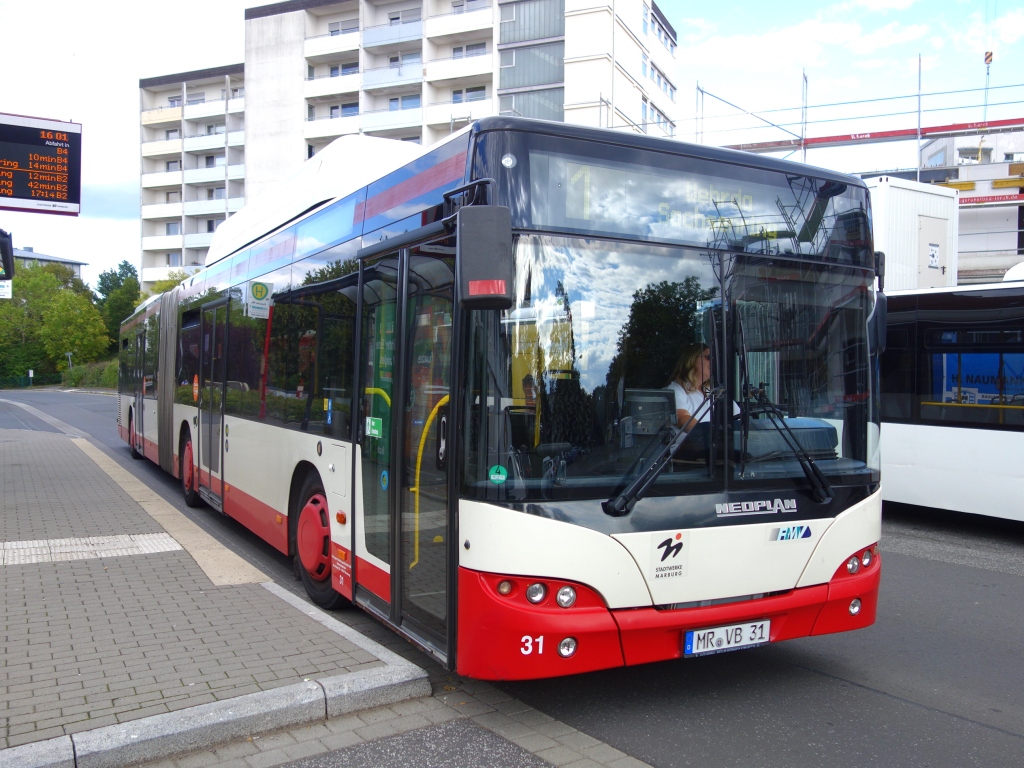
<point>762,507</point>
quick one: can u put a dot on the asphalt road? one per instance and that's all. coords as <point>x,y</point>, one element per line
<point>937,681</point>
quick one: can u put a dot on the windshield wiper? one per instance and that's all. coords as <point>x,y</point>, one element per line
<point>823,492</point>
<point>621,505</point>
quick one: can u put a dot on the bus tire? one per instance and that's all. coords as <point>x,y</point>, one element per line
<point>313,544</point>
<point>187,473</point>
<point>132,437</point>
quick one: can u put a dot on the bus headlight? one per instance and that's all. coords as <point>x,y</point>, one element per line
<point>566,597</point>
<point>855,606</point>
<point>504,587</point>
<point>567,647</point>
<point>853,564</point>
<point>866,557</point>
<point>536,593</point>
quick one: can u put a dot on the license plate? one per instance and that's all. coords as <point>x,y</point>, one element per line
<point>701,642</point>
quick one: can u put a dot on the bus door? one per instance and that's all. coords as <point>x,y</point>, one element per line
<point>139,389</point>
<point>211,401</point>
<point>405,363</point>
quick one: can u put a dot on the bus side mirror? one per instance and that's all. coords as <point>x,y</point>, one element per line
<point>880,269</point>
<point>483,257</point>
<point>6,256</point>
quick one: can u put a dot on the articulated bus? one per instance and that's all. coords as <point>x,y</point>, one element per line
<point>953,399</point>
<point>438,379</point>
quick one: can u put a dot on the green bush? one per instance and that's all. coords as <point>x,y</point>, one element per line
<point>102,374</point>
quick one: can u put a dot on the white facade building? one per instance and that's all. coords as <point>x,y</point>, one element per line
<point>414,70</point>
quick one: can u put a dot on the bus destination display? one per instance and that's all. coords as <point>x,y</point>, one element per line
<point>40,165</point>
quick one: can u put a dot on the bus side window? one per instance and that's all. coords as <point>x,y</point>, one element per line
<point>331,411</point>
<point>245,356</point>
<point>897,379</point>
<point>152,357</point>
<point>188,358</point>
<point>291,368</point>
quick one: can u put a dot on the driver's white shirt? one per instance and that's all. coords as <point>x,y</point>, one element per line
<point>690,401</point>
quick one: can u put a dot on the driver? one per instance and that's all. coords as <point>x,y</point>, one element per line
<point>691,382</point>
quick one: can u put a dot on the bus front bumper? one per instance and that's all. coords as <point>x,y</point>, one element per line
<point>505,637</point>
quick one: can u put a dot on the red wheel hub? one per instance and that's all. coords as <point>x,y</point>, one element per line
<point>187,469</point>
<point>314,537</point>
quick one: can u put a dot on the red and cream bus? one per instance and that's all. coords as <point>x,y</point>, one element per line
<point>438,380</point>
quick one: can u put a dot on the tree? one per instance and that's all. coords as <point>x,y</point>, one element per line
<point>119,305</point>
<point>66,277</point>
<point>72,324</point>
<point>110,280</point>
<point>174,278</point>
<point>21,319</point>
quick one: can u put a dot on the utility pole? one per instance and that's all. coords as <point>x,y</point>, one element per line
<point>803,119</point>
<point>919,118</point>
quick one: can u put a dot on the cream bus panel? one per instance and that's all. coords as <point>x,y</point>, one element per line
<point>727,561</point>
<point>505,541</point>
<point>859,526</point>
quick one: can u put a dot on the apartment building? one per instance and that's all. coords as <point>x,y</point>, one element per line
<point>411,70</point>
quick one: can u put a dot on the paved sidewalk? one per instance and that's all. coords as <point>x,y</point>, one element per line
<point>107,620</point>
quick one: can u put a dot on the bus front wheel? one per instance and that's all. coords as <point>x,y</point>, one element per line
<point>187,472</point>
<point>313,544</point>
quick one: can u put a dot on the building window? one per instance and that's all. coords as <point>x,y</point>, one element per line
<point>215,193</point>
<point>310,72</point>
<point>476,49</point>
<point>352,68</point>
<point>476,93</point>
<point>172,133</point>
<point>172,228</point>
<point>310,151</point>
<point>212,224</point>
<point>215,130</point>
<point>310,112</point>
<point>174,165</point>
<point>174,197</point>
<point>411,102</point>
<point>412,139</point>
<point>647,12</point>
<point>394,104</point>
<point>334,28</point>
<point>335,111</point>
<point>237,93</point>
<point>643,64</point>
<point>352,25</point>
<point>174,101</point>
<point>458,52</point>
<point>458,7</point>
<point>394,18</point>
<point>394,61</point>
<point>213,161</point>
<point>174,259</point>
<point>457,96</point>
<point>507,58</point>
<point>335,70</point>
<point>350,110</point>
<point>196,98</point>
<point>508,13</point>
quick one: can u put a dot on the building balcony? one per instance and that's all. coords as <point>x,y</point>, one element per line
<point>162,211</point>
<point>205,175</point>
<point>199,240</point>
<point>386,120</point>
<point>321,87</point>
<point>326,47</point>
<point>451,27</point>
<point>442,71</point>
<point>390,35</point>
<point>236,138</point>
<point>330,127</point>
<point>161,179</point>
<point>161,243</point>
<point>236,172</point>
<point>459,113</point>
<point>212,108</point>
<point>205,207</point>
<point>236,105</point>
<point>163,147</point>
<point>383,79</point>
<point>161,115</point>
<point>204,142</point>
<point>235,204</point>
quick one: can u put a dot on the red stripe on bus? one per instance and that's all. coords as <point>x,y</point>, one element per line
<point>449,170</point>
<point>375,579</point>
<point>258,517</point>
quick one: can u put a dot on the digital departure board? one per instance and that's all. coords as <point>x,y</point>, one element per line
<point>40,165</point>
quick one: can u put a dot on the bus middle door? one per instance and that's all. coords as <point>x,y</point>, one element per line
<point>211,402</point>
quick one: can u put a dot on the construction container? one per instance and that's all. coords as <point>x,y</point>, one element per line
<point>916,226</point>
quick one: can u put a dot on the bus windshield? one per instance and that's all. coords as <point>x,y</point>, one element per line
<point>570,392</point>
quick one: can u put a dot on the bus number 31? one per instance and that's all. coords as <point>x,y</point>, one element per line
<point>528,642</point>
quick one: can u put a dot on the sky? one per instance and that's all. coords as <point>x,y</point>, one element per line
<point>749,52</point>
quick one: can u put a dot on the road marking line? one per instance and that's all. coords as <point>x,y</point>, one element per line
<point>222,566</point>
<point>85,548</point>
<point>64,427</point>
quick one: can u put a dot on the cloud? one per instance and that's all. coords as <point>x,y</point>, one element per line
<point>111,201</point>
<point>884,5</point>
<point>885,37</point>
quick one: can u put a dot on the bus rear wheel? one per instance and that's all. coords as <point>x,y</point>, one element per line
<point>187,472</point>
<point>133,438</point>
<point>313,544</point>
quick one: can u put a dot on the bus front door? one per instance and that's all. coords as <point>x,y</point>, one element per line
<point>211,402</point>
<point>403,567</point>
<point>137,430</point>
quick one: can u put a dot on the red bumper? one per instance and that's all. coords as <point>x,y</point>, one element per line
<point>508,638</point>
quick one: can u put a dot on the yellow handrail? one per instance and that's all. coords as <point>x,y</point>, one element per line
<point>978,405</point>
<point>416,488</point>
<point>381,392</point>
